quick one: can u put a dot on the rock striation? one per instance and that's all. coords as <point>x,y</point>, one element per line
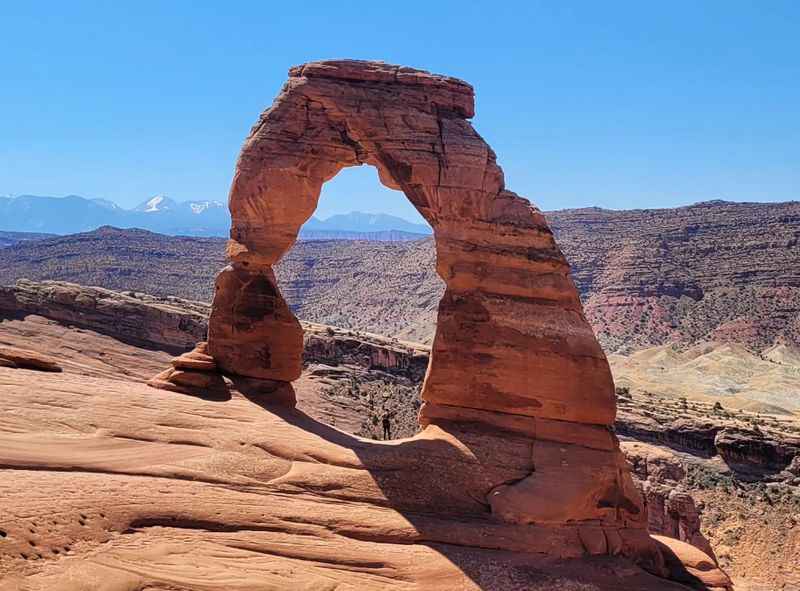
<point>712,271</point>
<point>170,324</point>
<point>515,376</point>
<point>15,357</point>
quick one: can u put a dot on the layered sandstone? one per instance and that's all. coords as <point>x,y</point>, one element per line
<point>713,271</point>
<point>26,359</point>
<point>165,323</point>
<point>515,378</point>
<point>671,510</point>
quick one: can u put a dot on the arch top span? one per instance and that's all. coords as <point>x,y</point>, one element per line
<point>511,336</point>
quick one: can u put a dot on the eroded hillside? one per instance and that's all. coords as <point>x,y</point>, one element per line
<point>714,271</point>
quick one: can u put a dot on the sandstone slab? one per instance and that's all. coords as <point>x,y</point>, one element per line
<point>27,359</point>
<point>111,481</point>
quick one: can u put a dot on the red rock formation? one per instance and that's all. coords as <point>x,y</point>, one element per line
<point>510,309</point>
<point>26,359</point>
<point>170,324</point>
<point>513,358</point>
<point>671,510</point>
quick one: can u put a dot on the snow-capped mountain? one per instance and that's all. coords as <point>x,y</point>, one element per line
<point>157,204</point>
<point>162,203</point>
<point>72,214</point>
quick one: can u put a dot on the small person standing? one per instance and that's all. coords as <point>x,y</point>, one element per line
<point>387,425</point>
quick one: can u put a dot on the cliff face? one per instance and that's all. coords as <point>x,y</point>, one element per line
<point>164,323</point>
<point>671,510</point>
<point>711,271</point>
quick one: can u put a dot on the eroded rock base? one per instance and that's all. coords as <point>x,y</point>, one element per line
<point>196,373</point>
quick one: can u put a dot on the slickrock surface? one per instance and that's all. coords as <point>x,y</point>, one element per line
<point>26,359</point>
<point>114,483</point>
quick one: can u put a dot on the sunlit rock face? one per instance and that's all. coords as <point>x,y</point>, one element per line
<point>511,334</point>
<point>518,396</point>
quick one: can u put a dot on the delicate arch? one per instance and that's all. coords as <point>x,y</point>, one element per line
<point>511,337</point>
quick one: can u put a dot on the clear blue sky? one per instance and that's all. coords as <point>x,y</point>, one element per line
<point>616,104</point>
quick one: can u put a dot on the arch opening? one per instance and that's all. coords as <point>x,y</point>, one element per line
<point>367,301</point>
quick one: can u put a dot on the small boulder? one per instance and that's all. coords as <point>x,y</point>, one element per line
<point>689,565</point>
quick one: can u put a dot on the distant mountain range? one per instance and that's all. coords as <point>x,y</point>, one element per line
<point>74,214</point>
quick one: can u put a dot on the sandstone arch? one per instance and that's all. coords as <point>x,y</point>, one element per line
<point>518,451</point>
<point>511,336</point>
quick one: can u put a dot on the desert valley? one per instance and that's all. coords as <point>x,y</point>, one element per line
<point>584,399</point>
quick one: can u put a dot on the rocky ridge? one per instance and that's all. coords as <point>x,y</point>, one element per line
<point>137,318</point>
<point>713,271</point>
